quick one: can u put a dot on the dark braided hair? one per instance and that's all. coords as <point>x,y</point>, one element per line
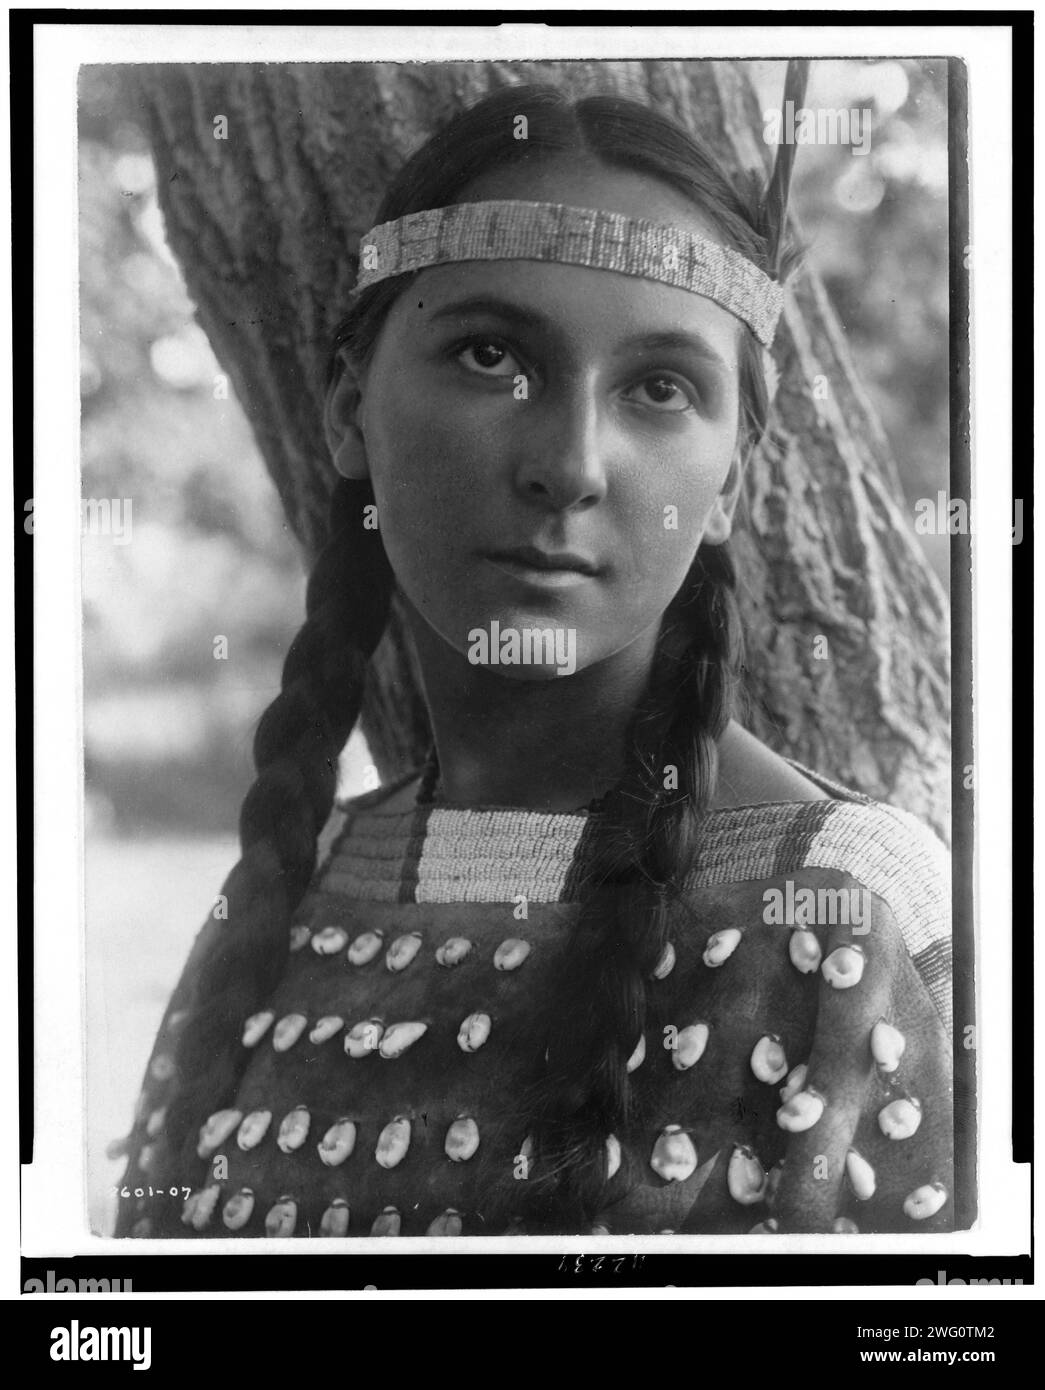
<point>649,834</point>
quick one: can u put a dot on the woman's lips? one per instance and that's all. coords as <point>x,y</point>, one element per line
<point>544,569</point>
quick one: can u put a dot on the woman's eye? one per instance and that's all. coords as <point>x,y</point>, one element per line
<point>664,393</point>
<point>488,359</point>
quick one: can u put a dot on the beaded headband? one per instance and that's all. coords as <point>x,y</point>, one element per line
<point>516,230</point>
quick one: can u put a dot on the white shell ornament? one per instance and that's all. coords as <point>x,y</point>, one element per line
<point>299,936</point>
<point>689,1046</point>
<point>400,1036</point>
<point>925,1201</point>
<point>844,967</point>
<point>393,1142</point>
<point>453,951</point>
<point>238,1209</point>
<point>334,1221</point>
<point>473,1032</point>
<point>900,1118</point>
<point>448,1224</point>
<point>364,1038</point>
<point>293,1130</point>
<point>256,1027</point>
<point>199,1207</point>
<point>720,946</point>
<point>887,1045</point>
<point>804,950</point>
<point>402,951</point>
<point>462,1139</point>
<point>613,1156</point>
<point>326,1028</point>
<point>510,954</point>
<point>794,1083</point>
<point>216,1130</point>
<point>639,1055</point>
<point>674,1157</point>
<point>768,1061</point>
<point>338,1142</point>
<point>745,1177</point>
<point>330,941</point>
<point>287,1031</point>
<point>861,1175</point>
<point>253,1129</point>
<point>666,964</point>
<point>366,947</point>
<point>801,1112</point>
<point>282,1218</point>
<point>388,1223</point>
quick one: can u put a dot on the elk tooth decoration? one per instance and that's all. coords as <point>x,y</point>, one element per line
<point>287,1031</point>
<point>613,1156</point>
<point>510,954</point>
<point>925,1201</point>
<point>860,1174</point>
<point>366,947</point>
<point>689,1046</point>
<point>844,967</point>
<point>334,1221</point>
<point>674,1158</point>
<point>393,1142</point>
<point>473,1032</point>
<point>639,1055</point>
<point>299,936</point>
<point>400,1036</point>
<point>388,1223</point>
<point>453,951</point>
<point>720,946</point>
<point>256,1027</point>
<point>199,1207</point>
<point>448,1224</point>
<point>364,1038</point>
<point>238,1209</point>
<point>141,1230</point>
<point>330,941</point>
<point>253,1129</point>
<point>843,1226</point>
<point>666,964</point>
<point>156,1122</point>
<point>147,1157</point>
<point>162,1067</point>
<point>768,1061</point>
<point>887,1046</point>
<point>282,1218</point>
<point>804,950</point>
<point>900,1118</point>
<point>595,1231</point>
<point>801,1112</point>
<point>326,1028</point>
<point>462,1139</point>
<point>293,1130</point>
<point>794,1083</point>
<point>338,1142</point>
<point>745,1177</point>
<point>402,951</point>
<point>769,1227</point>
<point>216,1130</point>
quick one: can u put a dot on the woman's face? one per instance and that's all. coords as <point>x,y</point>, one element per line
<point>547,444</point>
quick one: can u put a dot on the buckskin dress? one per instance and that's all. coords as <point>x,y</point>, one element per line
<point>381,1082</point>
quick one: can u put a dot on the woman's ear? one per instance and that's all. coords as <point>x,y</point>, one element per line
<point>719,525</point>
<point>341,422</point>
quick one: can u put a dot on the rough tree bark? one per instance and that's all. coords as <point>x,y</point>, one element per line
<point>262,223</point>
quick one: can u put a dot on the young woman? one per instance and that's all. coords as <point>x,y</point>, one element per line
<point>607,963</point>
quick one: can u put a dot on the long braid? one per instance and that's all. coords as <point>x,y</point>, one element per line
<point>296,749</point>
<point>645,847</point>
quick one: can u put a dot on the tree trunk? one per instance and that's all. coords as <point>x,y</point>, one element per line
<point>262,222</point>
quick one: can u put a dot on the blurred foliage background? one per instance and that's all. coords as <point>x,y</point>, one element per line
<point>168,727</point>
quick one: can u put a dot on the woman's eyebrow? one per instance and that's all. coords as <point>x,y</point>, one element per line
<point>490,304</point>
<point>677,341</point>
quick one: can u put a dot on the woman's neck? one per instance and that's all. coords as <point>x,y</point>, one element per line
<point>551,745</point>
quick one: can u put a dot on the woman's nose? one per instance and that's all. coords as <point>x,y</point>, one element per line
<point>562,458</point>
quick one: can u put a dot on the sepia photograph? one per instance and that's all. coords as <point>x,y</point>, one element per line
<point>514,479</point>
